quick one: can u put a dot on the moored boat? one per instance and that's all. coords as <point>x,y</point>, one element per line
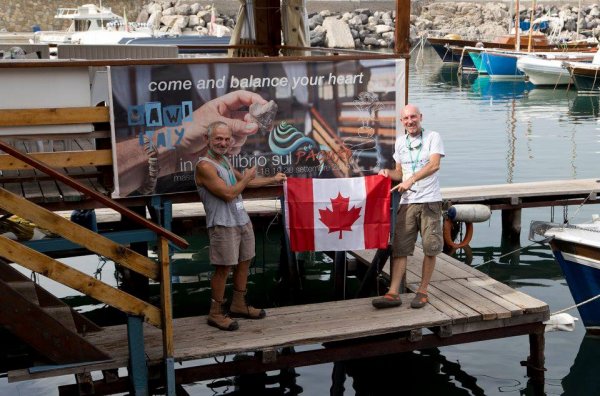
<point>552,70</point>
<point>91,24</point>
<point>450,47</point>
<point>586,76</point>
<point>576,248</point>
<point>501,64</point>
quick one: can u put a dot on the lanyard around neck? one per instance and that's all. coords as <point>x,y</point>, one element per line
<point>223,162</point>
<point>413,164</point>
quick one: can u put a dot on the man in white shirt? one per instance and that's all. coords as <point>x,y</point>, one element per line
<point>418,154</point>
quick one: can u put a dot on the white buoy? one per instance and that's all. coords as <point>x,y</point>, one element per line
<point>469,213</point>
<point>560,322</point>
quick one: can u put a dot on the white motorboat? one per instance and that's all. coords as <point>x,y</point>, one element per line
<point>91,24</point>
<point>552,69</point>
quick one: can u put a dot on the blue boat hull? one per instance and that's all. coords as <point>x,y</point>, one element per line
<point>582,274</point>
<point>501,65</point>
<point>477,60</point>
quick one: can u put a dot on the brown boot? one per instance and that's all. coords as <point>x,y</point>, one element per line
<point>240,308</point>
<point>218,319</point>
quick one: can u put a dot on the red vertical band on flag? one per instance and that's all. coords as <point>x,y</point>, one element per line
<point>301,223</point>
<point>377,212</point>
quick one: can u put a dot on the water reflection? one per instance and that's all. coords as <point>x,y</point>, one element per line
<point>488,89</point>
<point>583,106</point>
<point>451,76</point>
<point>583,378</point>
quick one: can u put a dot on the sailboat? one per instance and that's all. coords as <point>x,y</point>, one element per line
<point>453,49</point>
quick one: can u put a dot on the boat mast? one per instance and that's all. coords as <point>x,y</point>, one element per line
<point>517,28</point>
<point>531,26</point>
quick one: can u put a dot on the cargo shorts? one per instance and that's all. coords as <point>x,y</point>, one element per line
<point>230,245</point>
<point>411,219</point>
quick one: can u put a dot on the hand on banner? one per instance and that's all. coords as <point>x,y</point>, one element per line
<point>264,181</point>
<point>279,177</point>
<point>225,108</point>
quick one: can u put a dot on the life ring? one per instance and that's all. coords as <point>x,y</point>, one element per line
<point>448,235</point>
<point>467,256</point>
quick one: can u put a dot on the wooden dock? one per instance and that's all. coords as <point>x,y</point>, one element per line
<point>530,194</point>
<point>465,305</point>
<point>497,196</point>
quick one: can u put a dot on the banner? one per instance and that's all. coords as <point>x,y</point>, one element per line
<point>305,119</point>
<point>337,214</point>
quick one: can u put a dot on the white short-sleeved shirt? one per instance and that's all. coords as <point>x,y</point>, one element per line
<point>413,157</point>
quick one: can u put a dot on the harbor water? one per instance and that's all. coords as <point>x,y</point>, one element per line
<point>494,132</point>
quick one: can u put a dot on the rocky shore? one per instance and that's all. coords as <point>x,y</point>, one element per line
<point>373,27</point>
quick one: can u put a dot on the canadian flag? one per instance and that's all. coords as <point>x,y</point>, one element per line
<point>337,214</point>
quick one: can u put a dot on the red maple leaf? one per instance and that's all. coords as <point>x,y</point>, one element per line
<point>340,218</point>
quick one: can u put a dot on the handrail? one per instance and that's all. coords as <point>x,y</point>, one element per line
<point>175,239</point>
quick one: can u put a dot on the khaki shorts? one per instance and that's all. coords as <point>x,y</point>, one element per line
<point>230,245</point>
<point>412,218</point>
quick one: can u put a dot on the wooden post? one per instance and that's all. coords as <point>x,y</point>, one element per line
<point>267,16</point>
<point>166,315</point>
<point>536,359</point>
<point>402,45</point>
<point>511,224</point>
<point>402,38</point>
<point>138,370</point>
<point>339,275</point>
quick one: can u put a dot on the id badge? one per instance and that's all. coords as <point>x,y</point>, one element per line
<point>239,205</point>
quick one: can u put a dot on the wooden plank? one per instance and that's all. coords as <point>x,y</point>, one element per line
<point>31,188</point>
<point>53,116</point>
<point>448,304</point>
<point>488,309</point>
<point>50,191</point>
<point>444,268</point>
<point>515,310</point>
<point>59,272</point>
<point>581,187</point>
<point>527,303</point>
<point>62,159</point>
<point>78,234</point>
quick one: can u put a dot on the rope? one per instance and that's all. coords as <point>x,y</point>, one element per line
<point>513,251</point>
<point>579,207</point>
<point>576,305</point>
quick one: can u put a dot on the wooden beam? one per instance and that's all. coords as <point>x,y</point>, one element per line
<point>402,45</point>
<point>78,234</point>
<point>267,17</point>
<point>176,239</point>
<point>61,159</point>
<point>88,285</point>
<point>53,116</point>
<point>165,298</point>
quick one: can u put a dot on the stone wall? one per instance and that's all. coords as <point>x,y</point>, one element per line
<point>22,15</point>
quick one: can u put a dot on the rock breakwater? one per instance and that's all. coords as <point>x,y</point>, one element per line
<point>369,28</point>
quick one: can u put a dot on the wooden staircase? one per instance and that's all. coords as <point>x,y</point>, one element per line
<point>43,321</point>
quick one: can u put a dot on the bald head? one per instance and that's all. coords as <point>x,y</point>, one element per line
<point>411,118</point>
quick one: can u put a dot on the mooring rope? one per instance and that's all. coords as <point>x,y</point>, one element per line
<point>576,305</point>
<point>512,251</point>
